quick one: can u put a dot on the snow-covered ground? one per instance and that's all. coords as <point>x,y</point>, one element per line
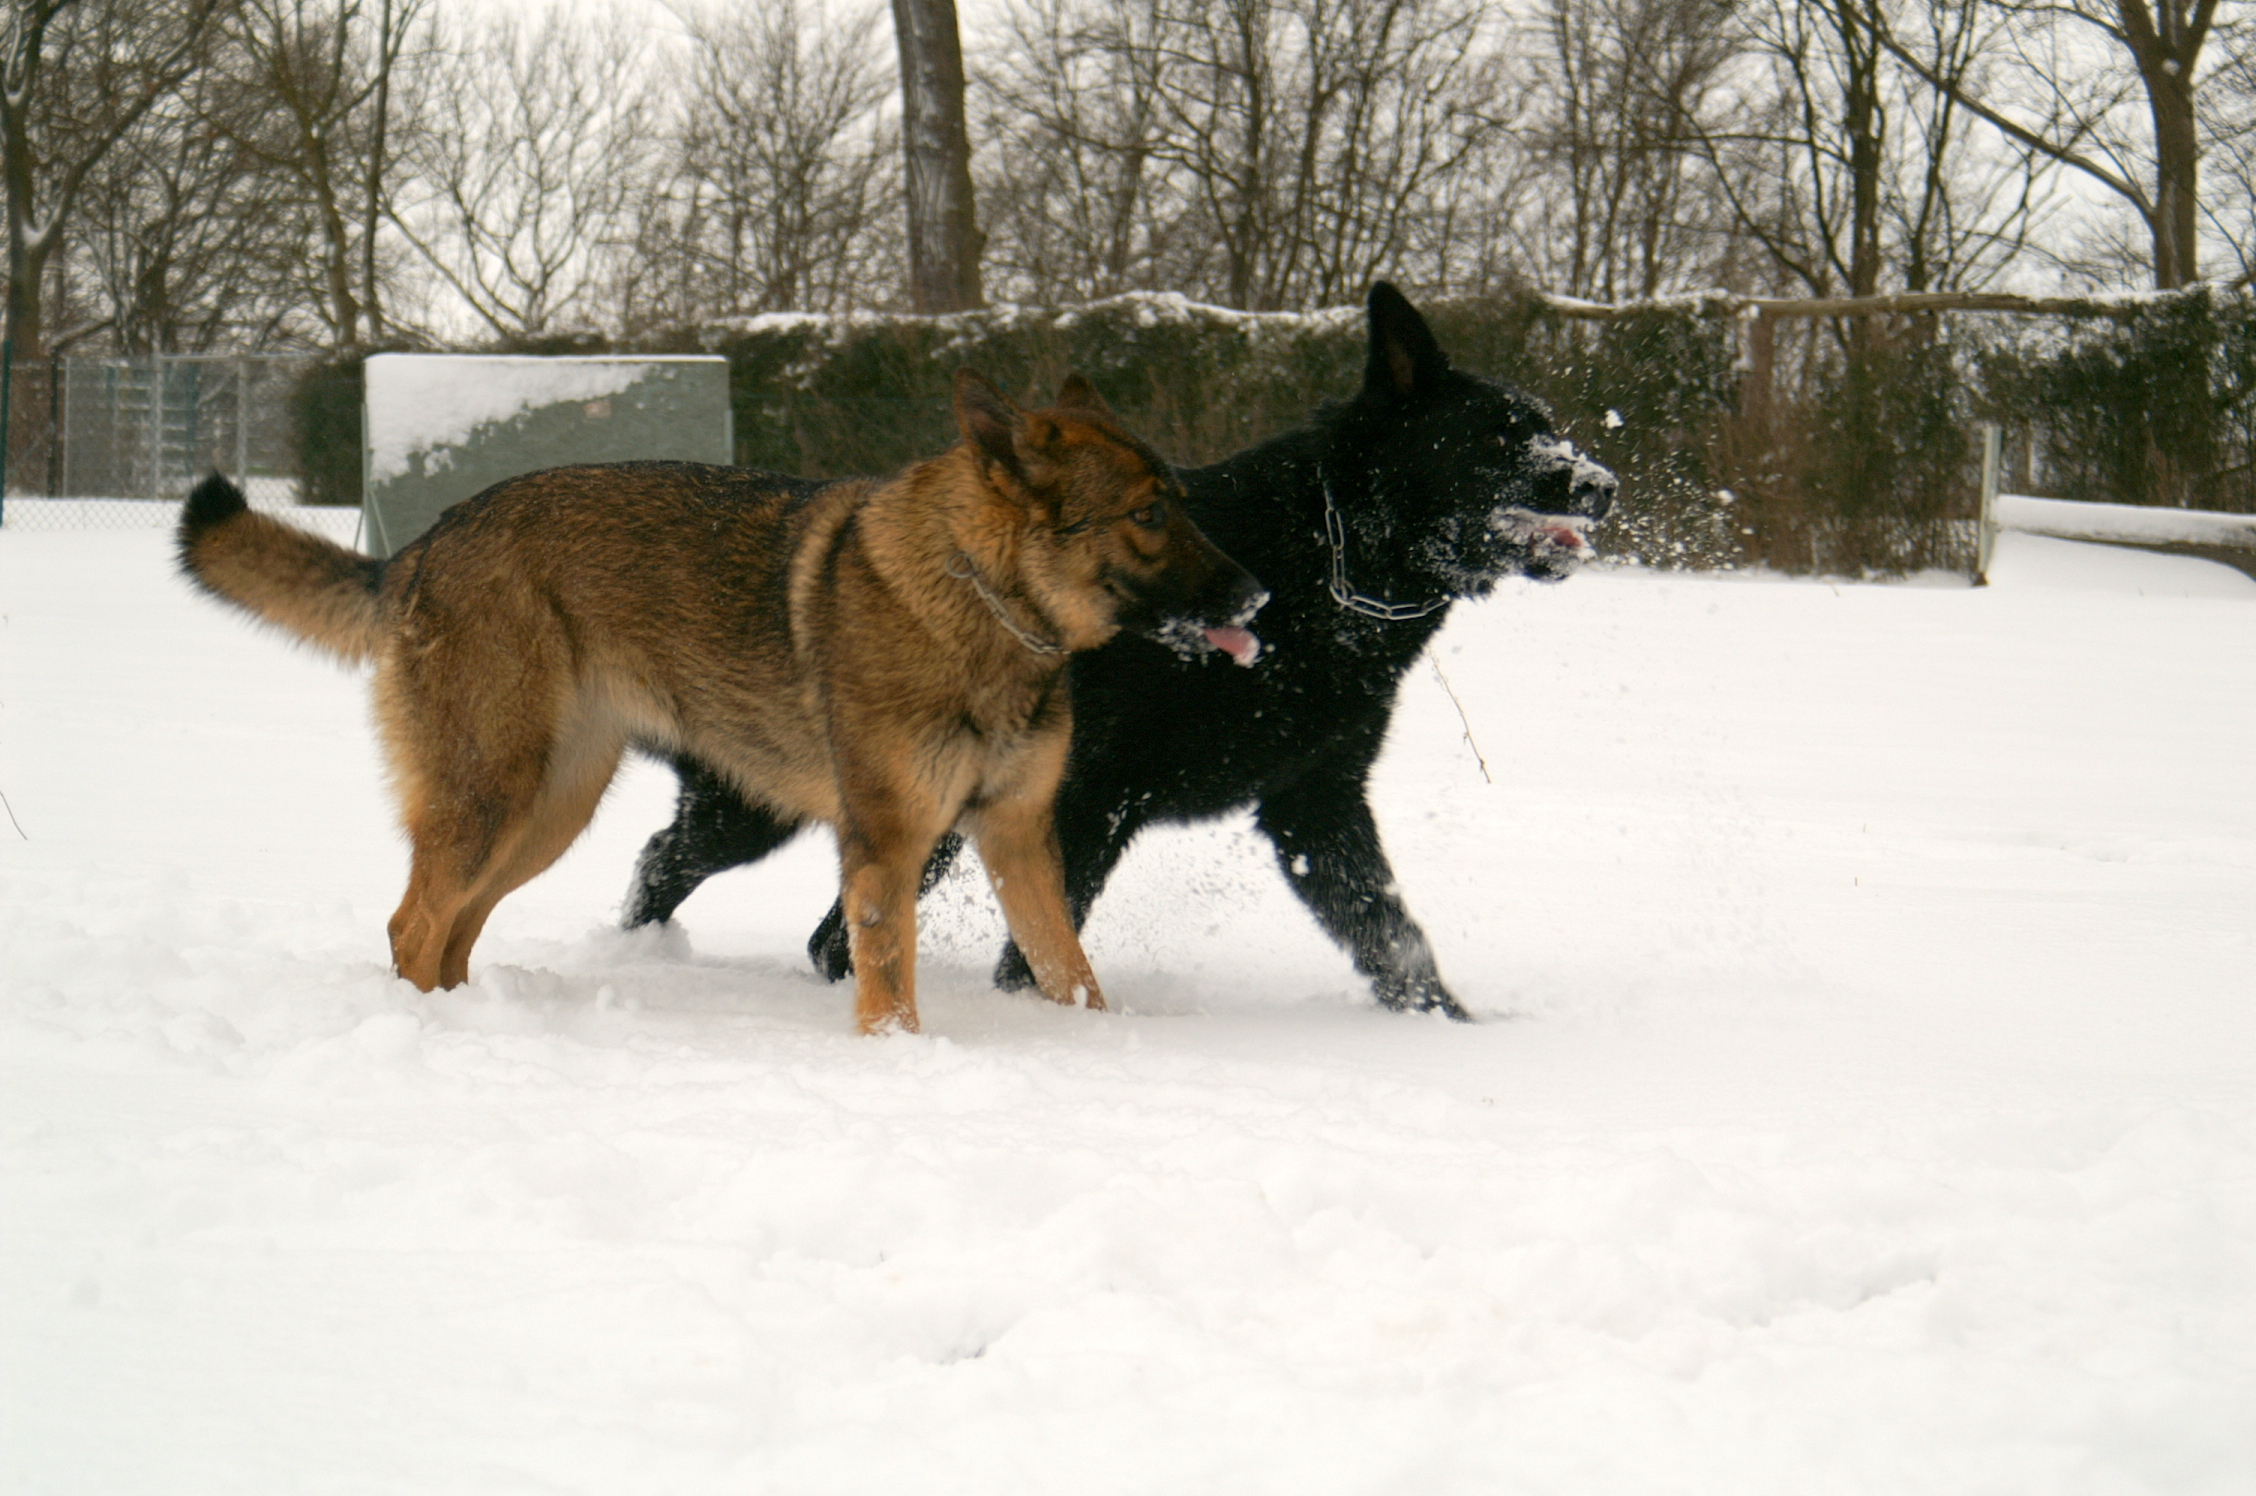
<point>1865,1099</point>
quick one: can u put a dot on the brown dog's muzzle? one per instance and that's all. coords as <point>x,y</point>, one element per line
<point>1201,600</point>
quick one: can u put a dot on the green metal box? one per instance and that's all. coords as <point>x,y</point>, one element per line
<point>439,428</point>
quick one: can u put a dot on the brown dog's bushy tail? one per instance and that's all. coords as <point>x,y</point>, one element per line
<point>296,580</point>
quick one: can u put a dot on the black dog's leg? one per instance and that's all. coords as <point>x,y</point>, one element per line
<point>713,830</point>
<point>828,947</point>
<point>1328,846</point>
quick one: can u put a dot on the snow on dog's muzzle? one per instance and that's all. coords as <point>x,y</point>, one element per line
<point>1233,638</point>
<point>1590,486</point>
<point>1546,537</point>
<point>1578,493</point>
<point>1190,637</point>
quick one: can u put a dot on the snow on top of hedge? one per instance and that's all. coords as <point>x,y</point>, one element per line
<point>1134,308</point>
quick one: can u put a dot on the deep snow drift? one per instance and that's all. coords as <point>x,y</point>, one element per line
<point>1865,1098</point>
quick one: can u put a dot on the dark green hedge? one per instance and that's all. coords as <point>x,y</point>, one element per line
<point>829,396</point>
<point>325,405</point>
<point>2156,408</point>
<point>1863,461</point>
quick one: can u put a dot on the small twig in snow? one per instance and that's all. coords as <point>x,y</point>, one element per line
<point>1478,757</point>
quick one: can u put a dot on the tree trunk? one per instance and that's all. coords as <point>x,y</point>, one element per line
<point>2177,201</point>
<point>28,239</point>
<point>1864,126</point>
<point>26,328</point>
<point>2166,44</point>
<point>944,237</point>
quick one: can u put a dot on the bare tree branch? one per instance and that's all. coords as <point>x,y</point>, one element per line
<point>74,80</point>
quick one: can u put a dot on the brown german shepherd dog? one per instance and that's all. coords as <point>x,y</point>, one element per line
<point>884,655</point>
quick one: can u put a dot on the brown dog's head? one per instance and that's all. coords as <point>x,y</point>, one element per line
<point>1104,543</point>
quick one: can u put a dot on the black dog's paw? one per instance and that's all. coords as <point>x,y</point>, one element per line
<point>1406,994</point>
<point>829,949</point>
<point>1012,974</point>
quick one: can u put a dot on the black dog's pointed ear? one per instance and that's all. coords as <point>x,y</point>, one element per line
<point>987,418</point>
<point>1405,359</point>
<point>1078,394</point>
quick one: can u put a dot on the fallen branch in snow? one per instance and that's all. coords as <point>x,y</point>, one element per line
<point>1478,756</point>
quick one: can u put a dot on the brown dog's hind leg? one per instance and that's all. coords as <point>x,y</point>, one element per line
<point>458,841</point>
<point>484,824</point>
<point>425,917</point>
<point>580,772</point>
<point>451,888</point>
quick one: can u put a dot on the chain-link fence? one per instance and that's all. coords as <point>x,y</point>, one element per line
<point>97,443</point>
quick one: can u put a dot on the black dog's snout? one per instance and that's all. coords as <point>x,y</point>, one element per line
<point>1593,492</point>
<point>1568,482</point>
<point>1229,593</point>
<point>1247,596</point>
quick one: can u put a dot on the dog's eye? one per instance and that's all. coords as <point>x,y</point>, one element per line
<point>1151,516</point>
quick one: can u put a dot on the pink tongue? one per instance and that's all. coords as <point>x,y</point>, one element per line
<point>1569,539</point>
<point>1237,643</point>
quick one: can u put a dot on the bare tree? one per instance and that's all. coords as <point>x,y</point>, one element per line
<point>74,81</point>
<point>1621,89</point>
<point>518,188</point>
<point>782,184</point>
<point>1265,153</point>
<point>1313,132</point>
<point>1958,216</point>
<point>325,72</point>
<point>1485,228</point>
<point>2067,81</point>
<point>944,237</point>
<point>187,239</point>
<point>1413,108</point>
<point>1079,201</point>
<point>1839,164</point>
<point>1819,138</point>
<point>2228,100</point>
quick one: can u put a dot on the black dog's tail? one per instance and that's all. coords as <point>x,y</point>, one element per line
<point>311,587</point>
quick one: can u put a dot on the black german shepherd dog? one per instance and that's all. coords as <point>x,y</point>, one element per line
<point>1430,485</point>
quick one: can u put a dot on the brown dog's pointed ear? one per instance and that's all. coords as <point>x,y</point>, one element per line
<point>987,418</point>
<point>1405,360</point>
<point>1078,394</point>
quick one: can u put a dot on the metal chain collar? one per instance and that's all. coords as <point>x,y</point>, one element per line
<point>960,567</point>
<point>1347,597</point>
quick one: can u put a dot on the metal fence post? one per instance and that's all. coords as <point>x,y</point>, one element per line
<point>55,415</point>
<point>157,373</point>
<point>7,415</point>
<point>242,424</point>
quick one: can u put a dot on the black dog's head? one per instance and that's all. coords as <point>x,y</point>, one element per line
<point>1468,482</point>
